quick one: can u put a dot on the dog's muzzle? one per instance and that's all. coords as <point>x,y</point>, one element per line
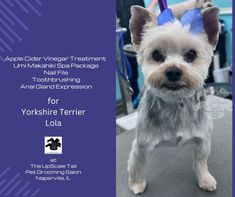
<point>173,74</point>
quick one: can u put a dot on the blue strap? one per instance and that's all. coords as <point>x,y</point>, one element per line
<point>125,71</point>
<point>162,5</point>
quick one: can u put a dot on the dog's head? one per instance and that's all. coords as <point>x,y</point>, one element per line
<point>174,61</point>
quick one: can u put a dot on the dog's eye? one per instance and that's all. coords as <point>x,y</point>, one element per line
<point>158,56</point>
<point>190,56</point>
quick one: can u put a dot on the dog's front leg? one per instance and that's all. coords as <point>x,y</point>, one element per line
<point>136,164</point>
<point>202,150</point>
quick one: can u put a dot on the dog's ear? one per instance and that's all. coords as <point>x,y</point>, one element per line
<point>139,18</point>
<point>211,24</point>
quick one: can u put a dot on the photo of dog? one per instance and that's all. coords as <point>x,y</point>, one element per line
<point>175,64</point>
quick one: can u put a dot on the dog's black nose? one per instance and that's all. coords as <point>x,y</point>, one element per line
<point>173,74</point>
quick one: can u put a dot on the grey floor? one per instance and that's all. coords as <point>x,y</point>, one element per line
<point>169,171</point>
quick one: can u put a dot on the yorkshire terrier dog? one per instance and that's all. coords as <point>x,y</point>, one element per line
<point>175,58</point>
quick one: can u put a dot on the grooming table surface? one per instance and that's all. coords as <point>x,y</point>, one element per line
<point>169,170</point>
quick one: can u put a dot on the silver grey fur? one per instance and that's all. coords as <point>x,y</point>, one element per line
<point>175,123</point>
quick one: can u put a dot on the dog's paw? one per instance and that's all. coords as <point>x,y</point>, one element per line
<point>203,3</point>
<point>138,188</point>
<point>208,183</point>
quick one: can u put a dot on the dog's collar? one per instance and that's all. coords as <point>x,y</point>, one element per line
<point>181,102</point>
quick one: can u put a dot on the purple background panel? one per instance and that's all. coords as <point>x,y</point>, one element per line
<point>58,28</point>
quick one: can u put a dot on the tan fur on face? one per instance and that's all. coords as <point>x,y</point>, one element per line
<point>173,40</point>
<point>190,78</point>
